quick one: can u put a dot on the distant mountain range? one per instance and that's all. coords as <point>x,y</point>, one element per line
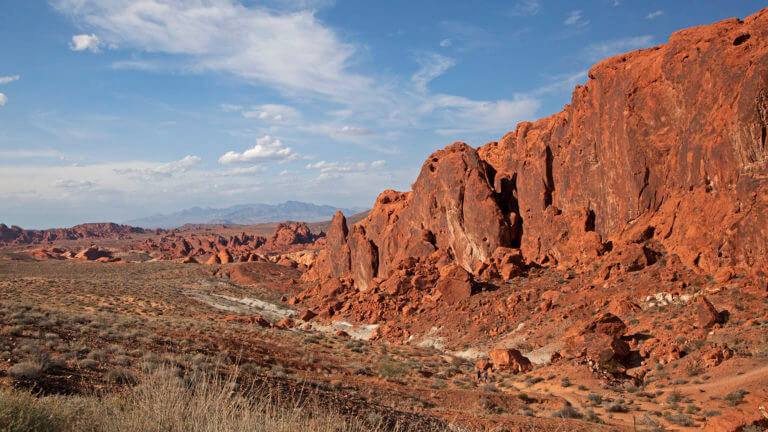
<point>246,214</point>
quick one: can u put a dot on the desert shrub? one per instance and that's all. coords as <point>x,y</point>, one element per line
<point>391,370</point>
<point>674,397</point>
<point>21,412</point>
<point>592,417</point>
<point>595,399</point>
<point>97,355</point>
<point>617,407</point>
<point>735,398</point>
<point>121,361</point>
<point>121,376</point>
<point>567,411</point>
<point>88,364</point>
<point>679,419</point>
<point>27,370</point>
<point>12,331</point>
<point>631,388</point>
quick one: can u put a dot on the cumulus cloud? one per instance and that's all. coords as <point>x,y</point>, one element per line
<point>8,79</point>
<point>84,42</point>
<point>164,170</point>
<point>525,8</point>
<point>614,47</point>
<point>265,149</point>
<point>655,14</point>
<point>431,66</point>
<point>576,19</point>
<point>288,49</point>
<point>272,112</point>
<point>3,99</point>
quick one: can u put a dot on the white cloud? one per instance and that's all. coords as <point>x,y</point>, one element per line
<point>290,50</point>
<point>247,171</point>
<point>474,116</point>
<point>655,14</point>
<point>272,112</point>
<point>445,43</point>
<point>3,99</point>
<point>230,107</point>
<point>333,170</point>
<point>8,79</point>
<point>431,66</point>
<point>133,64</point>
<point>616,3</point>
<point>611,48</point>
<point>576,19</point>
<point>74,185</point>
<point>265,149</point>
<point>357,131</point>
<point>164,170</point>
<point>525,8</point>
<point>84,42</point>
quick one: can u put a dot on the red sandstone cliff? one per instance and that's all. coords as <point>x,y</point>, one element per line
<point>666,143</point>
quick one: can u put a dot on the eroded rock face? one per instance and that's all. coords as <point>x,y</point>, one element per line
<point>665,144</point>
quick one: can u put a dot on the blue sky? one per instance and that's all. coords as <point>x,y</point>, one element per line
<point>116,109</point>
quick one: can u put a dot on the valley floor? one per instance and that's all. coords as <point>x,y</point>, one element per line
<point>97,343</point>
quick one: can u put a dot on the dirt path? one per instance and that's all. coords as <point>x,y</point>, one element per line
<point>729,383</point>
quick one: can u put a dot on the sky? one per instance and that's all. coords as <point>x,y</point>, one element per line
<point>116,109</point>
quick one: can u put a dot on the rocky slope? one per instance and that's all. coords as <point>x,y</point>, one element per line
<point>666,144</point>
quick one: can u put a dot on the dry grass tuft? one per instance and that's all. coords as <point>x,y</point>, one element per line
<point>164,402</point>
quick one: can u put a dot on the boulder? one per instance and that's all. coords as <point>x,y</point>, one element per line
<point>455,284</point>
<point>598,347</point>
<point>605,323</point>
<point>510,360</point>
<point>307,315</point>
<point>705,314</point>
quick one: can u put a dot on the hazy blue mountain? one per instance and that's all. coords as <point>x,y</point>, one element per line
<point>245,214</point>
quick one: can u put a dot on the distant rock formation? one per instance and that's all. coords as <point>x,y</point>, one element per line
<point>14,235</point>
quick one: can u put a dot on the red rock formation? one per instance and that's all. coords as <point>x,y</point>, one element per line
<point>665,144</point>
<point>19,236</point>
<point>290,237</point>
